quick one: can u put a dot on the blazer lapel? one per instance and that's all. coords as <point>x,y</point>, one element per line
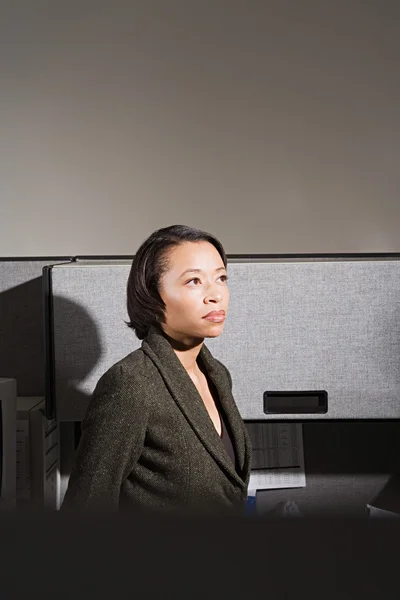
<point>240,439</point>
<point>181,387</point>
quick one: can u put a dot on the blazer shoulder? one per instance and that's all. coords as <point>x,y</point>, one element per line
<point>129,376</point>
<point>134,365</point>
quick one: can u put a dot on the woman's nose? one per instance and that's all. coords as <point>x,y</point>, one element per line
<point>212,296</point>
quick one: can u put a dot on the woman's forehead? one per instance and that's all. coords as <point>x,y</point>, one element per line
<point>194,255</point>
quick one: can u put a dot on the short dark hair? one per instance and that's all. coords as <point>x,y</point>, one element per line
<point>144,303</point>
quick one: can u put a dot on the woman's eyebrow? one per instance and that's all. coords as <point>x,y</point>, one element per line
<point>199,271</point>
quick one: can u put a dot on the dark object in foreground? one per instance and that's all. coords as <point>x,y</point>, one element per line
<point>63,556</point>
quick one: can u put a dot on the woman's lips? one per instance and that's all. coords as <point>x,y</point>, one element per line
<point>215,317</point>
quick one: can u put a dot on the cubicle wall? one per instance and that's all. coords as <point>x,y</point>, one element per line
<point>348,460</point>
<point>324,333</point>
<point>295,324</point>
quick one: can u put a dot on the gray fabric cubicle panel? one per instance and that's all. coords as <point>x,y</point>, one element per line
<point>89,310</point>
<point>319,324</point>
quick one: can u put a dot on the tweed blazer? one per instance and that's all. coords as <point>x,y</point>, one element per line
<point>148,441</point>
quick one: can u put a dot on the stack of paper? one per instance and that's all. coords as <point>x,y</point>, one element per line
<point>277,457</point>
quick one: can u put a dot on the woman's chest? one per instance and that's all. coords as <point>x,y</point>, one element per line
<point>209,396</point>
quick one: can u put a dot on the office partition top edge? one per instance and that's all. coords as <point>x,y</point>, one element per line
<point>79,261</point>
<point>34,258</point>
<point>262,256</point>
<point>125,257</point>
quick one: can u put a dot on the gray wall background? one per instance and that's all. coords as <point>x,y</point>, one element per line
<point>273,124</point>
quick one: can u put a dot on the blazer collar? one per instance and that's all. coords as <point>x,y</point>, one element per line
<point>159,350</point>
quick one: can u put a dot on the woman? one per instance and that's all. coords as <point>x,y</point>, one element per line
<point>162,430</point>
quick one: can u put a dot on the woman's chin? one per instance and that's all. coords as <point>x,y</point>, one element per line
<point>214,330</point>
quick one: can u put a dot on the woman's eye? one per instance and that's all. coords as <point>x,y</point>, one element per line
<point>196,279</point>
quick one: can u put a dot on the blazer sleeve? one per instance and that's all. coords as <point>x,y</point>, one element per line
<point>112,439</point>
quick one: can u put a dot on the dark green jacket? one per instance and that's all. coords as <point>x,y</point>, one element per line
<point>148,441</point>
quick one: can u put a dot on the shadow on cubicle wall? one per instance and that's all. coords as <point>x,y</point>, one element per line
<point>21,339</point>
<point>22,353</point>
<point>77,357</point>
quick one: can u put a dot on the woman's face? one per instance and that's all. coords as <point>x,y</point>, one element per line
<point>193,286</point>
